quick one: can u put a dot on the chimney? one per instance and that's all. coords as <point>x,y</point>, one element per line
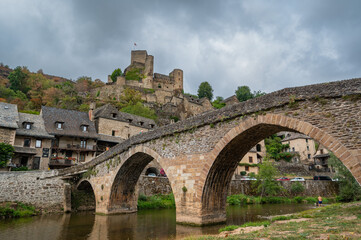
<point>91,110</point>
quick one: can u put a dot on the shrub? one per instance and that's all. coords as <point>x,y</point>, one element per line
<point>311,200</point>
<point>256,224</point>
<point>281,218</point>
<point>6,152</point>
<point>297,187</point>
<point>243,173</point>
<point>142,197</point>
<point>298,199</point>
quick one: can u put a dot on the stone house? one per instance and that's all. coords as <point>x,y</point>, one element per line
<point>321,160</point>
<point>114,126</point>
<point>9,119</point>
<point>249,163</point>
<point>302,146</point>
<point>32,143</point>
<point>75,136</point>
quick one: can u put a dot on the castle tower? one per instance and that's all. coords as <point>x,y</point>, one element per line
<point>177,75</point>
<point>141,59</point>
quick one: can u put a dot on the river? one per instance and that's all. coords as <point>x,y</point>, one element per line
<point>146,224</point>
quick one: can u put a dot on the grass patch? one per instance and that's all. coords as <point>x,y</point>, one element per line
<point>156,202</point>
<point>228,228</point>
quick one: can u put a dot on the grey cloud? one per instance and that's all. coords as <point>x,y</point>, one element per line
<point>267,45</point>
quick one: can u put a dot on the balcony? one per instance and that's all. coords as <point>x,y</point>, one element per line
<point>76,147</point>
<point>58,162</point>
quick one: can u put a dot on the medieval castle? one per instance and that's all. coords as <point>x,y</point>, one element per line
<point>163,93</point>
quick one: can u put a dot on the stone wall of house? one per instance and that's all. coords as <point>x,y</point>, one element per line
<point>34,188</point>
<point>122,129</point>
<point>7,135</point>
<point>312,188</point>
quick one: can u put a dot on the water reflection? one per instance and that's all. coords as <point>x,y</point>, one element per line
<point>150,224</point>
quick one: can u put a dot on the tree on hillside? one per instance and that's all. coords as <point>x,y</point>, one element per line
<point>244,93</point>
<point>17,80</point>
<point>205,90</point>
<point>83,84</point>
<point>52,96</point>
<point>218,103</point>
<point>266,184</point>
<point>349,188</point>
<point>6,152</point>
<point>274,149</point>
<point>130,97</point>
<point>117,72</point>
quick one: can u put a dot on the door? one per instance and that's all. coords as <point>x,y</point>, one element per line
<point>36,163</point>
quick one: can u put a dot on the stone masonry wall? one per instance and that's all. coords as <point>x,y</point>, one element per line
<point>7,135</point>
<point>31,187</point>
<point>149,186</point>
<point>312,188</point>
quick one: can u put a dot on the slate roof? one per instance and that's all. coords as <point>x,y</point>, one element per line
<point>73,120</point>
<point>9,115</point>
<point>107,138</point>
<point>37,127</point>
<point>107,110</point>
<point>292,136</point>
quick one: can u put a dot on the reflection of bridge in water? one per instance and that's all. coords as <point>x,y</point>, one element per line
<point>199,155</point>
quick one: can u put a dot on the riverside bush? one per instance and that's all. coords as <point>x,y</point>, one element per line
<point>17,211</point>
<point>156,202</point>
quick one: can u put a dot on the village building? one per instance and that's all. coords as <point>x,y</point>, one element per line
<point>32,143</point>
<point>301,146</point>
<point>114,126</point>
<point>250,162</point>
<point>75,136</point>
<point>9,119</point>
<point>321,160</point>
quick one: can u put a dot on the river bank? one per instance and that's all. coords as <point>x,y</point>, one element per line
<point>336,221</point>
<point>16,210</point>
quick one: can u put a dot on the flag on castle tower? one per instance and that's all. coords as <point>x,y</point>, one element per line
<point>135,44</point>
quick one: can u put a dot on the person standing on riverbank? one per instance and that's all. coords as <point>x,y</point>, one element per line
<point>319,201</point>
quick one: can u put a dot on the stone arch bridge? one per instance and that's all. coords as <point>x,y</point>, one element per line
<point>200,154</point>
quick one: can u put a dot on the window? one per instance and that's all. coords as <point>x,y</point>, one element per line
<point>83,144</point>
<point>59,125</point>
<point>130,120</point>
<point>159,86</point>
<point>321,151</point>
<point>68,153</point>
<point>27,142</point>
<point>306,140</point>
<point>82,158</point>
<point>141,123</point>
<point>128,135</point>
<point>113,133</point>
<point>250,159</point>
<point>38,143</point>
<point>246,168</point>
<point>152,125</point>
<point>114,115</point>
<point>293,149</point>
<point>309,156</point>
<point>258,147</point>
<point>308,148</point>
<point>27,126</point>
<point>84,128</point>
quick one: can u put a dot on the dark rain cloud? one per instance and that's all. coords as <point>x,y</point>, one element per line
<point>267,45</point>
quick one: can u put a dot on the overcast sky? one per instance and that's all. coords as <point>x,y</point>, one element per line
<point>267,45</point>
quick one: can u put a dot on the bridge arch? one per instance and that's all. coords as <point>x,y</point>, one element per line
<point>84,195</point>
<point>123,196</point>
<point>239,140</point>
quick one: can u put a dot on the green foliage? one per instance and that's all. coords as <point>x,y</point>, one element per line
<point>134,74</point>
<point>205,90</point>
<point>228,228</point>
<point>140,110</point>
<point>17,80</point>
<point>6,152</point>
<point>98,93</point>
<point>130,97</point>
<point>349,189</point>
<point>265,184</point>
<point>84,107</point>
<point>22,168</point>
<point>30,112</point>
<point>117,72</point>
<point>243,93</point>
<point>243,173</point>
<point>175,118</point>
<point>218,103</point>
<point>298,199</point>
<point>184,189</point>
<point>17,210</point>
<point>282,218</point>
<point>256,224</point>
<point>297,187</point>
<point>248,164</point>
<point>156,202</point>
<point>274,148</point>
